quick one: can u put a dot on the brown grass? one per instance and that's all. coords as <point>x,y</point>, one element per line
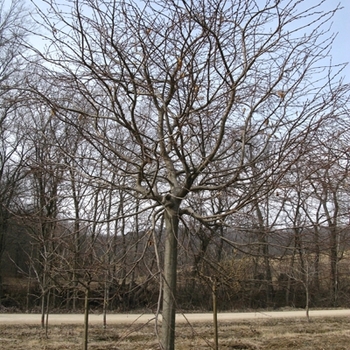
<point>272,334</point>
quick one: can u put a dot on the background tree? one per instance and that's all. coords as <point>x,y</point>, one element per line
<point>12,72</point>
<point>328,185</point>
<point>42,201</point>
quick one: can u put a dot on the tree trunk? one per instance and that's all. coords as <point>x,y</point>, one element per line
<point>2,239</point>
<point>215,315</point>
<point>47,314</point>
<point>1,283</point>
<point>263,240</point>
<point>86,319</point>
<point>334,265</point>
<point>169,279</point>
<point>106,299</point>
<point>317,261</point>
<point>307,292</point>
<point>289,281</point>
<point>43,310</point>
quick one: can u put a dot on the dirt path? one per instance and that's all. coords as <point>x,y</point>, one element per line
<point>134,318</point>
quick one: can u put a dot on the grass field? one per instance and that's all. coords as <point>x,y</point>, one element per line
<point>272,334</point>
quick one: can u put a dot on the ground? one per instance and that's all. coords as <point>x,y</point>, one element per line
<point>268,333</point>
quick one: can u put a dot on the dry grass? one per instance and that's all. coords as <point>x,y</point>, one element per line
<point>273,334</point>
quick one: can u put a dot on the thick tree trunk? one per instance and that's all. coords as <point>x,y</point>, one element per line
<point>169,279</point>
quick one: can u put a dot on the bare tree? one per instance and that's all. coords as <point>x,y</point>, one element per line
<point>12,72</point>
<point>41,202</point>
<point>330,192</point>
<point>189,96</point>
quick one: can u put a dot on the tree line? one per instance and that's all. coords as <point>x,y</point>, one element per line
<point>161,154</point>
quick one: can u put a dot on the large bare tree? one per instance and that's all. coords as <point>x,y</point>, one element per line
<point>189,99</point>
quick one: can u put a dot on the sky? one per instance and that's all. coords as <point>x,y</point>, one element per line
<point>341,47</point>
<point>341,25</point>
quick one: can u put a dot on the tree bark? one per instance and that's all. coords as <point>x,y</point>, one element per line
<point>215,315</point>
<point>86,319</point>
<point>169,278</point>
